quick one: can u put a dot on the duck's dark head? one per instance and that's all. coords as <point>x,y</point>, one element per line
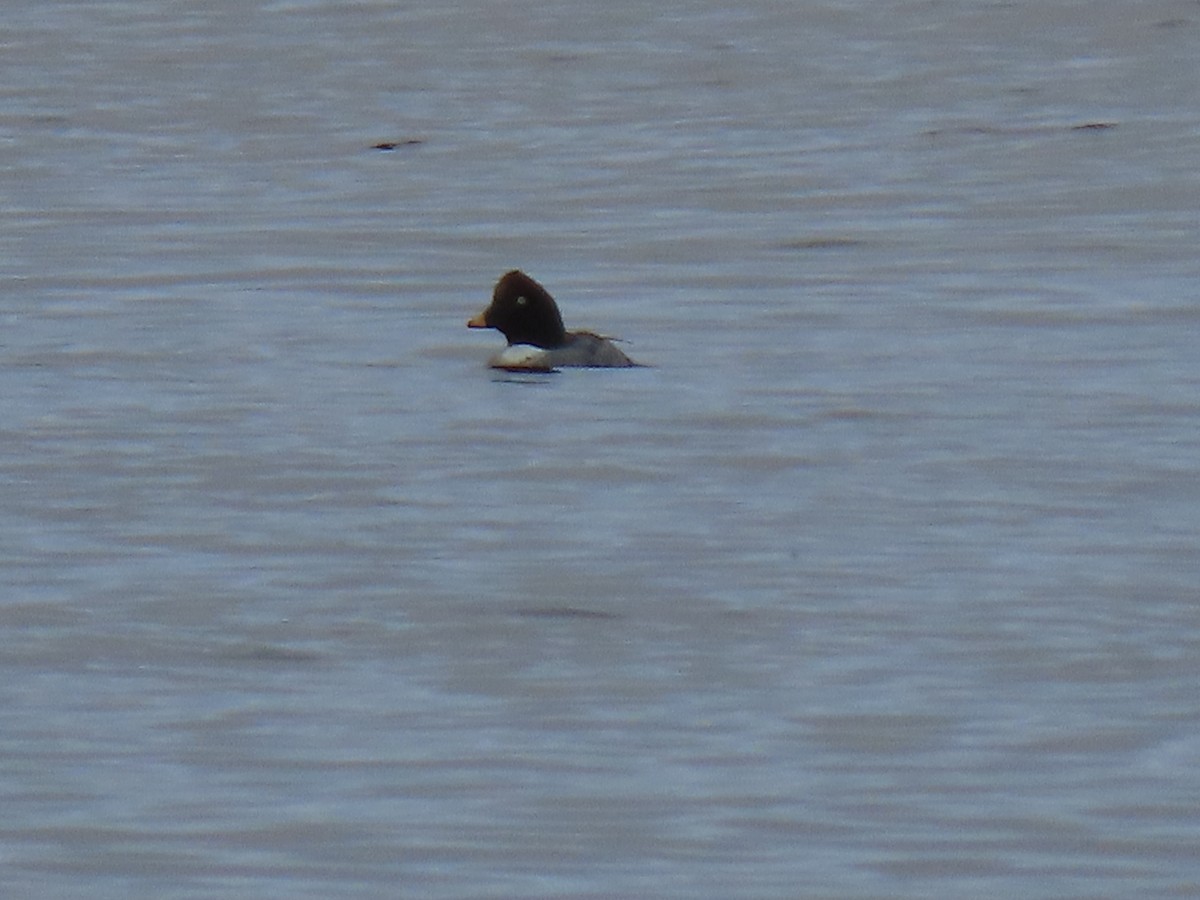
<point>524,312</point>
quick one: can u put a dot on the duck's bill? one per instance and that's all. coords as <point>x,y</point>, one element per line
<point>477,321</point>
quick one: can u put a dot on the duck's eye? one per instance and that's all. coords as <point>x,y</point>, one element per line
<point>521,301</point>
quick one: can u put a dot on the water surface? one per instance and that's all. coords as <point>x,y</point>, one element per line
<point>879,581</point>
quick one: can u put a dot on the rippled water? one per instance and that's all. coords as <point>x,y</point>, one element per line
<point>880,581</point>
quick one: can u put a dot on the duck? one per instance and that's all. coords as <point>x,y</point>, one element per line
<point>525,313</point>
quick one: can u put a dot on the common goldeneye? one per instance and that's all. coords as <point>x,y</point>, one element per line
<point>525,313</point>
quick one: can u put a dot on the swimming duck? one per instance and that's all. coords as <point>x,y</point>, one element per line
<point>525,313</point>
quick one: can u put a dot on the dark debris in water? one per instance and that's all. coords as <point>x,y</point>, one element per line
<point>563,612</point>
<point>831,242</point>
<point>1019,130</point>
<point>394,145</point>
<point>269,653</point>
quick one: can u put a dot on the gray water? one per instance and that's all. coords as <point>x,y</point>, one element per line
<point>879,581</point>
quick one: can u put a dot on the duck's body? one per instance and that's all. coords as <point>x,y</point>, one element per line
<point>525,313</point>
